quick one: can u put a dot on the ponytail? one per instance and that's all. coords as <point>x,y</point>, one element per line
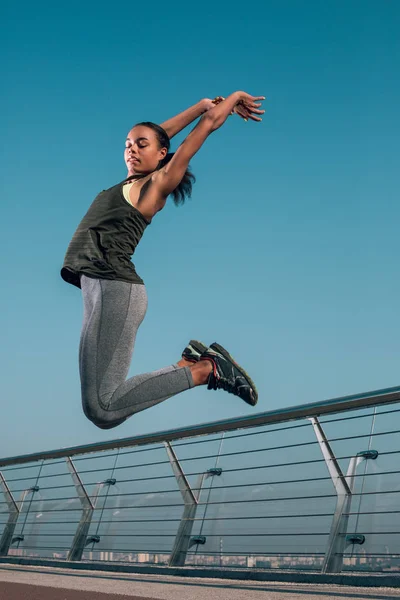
<point>184,189</point>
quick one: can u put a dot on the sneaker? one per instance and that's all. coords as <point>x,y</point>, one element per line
<point>193,351</point>
<point>228,375</point>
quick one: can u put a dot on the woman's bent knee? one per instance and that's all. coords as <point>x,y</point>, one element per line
<point>109,425</point>
<point>101,417</point>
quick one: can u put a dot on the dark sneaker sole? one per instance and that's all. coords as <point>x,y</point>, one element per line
<point>198,347</point>
<point>226,355</point>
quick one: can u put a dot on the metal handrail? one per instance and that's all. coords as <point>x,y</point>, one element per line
<point>315,409</point>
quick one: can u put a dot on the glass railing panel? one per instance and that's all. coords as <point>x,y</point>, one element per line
<point>377,516</point>
<point>198,457</point>
<point>264,503</point>
<point>386,431</point>
<point>375,501</point>
<point>141,515</point>
<point>129,514</point>
<point>141,454</point>
<point>378,551</point>
<point>49,514</point>
<point>348,421</point>
<point>348,434</point>
<point>377,497</point>
<point>95,470</point>
<point>256,521</point>
<point>55,475</point>
<point>274,475</point>
<point>143,487</point>
<point>280,458</point>
<point>290,455</point>
<point>198,521</point>
<point>154,532</point>
<point>389,409</point>
<point>20,478</point>
<point>144,471</point>
<point>4,514</point>
<point>145,464</point>
<point>269,436</point>
<point>47,526</point>
<point>131,530</point>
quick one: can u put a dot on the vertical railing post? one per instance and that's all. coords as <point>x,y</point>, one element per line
<point>333,559</point>
<point>344,485</point>
<point>183,540</point>
<point>79,541</point>
<point>13,510</point>
<point>88,503</point>
<point>190,500</point>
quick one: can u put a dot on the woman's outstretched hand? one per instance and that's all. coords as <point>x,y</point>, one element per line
<point>248,107</point>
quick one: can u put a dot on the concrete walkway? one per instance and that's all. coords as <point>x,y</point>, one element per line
<point>48,583</point>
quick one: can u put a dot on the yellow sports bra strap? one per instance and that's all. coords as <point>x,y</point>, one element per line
<point>126,189</point>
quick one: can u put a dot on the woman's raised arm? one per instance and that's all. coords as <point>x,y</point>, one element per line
<point>176,124</point>
<point>169,176</point>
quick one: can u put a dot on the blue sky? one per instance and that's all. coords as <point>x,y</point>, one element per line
<point>287,253</point>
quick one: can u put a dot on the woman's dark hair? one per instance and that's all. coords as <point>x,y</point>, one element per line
<point>184,189</point>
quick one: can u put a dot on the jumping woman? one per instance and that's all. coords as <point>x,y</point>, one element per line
<point>98,261</point>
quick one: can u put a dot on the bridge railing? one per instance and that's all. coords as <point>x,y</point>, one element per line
<point>313,487</point>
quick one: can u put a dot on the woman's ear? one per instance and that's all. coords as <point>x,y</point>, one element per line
<point>164,152</point>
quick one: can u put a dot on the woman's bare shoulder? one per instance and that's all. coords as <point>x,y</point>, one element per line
<point>146,195</point>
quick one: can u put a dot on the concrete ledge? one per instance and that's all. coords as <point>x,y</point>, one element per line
<point>350,579</point>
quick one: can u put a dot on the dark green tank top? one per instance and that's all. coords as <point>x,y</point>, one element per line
<point>105,240</point>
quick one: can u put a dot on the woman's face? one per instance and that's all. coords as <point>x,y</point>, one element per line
<point>142,152</point>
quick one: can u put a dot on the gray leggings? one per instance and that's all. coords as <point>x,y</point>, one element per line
<point>113,312</point>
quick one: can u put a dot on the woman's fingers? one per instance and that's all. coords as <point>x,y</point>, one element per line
<point>248,108</point>
<point>253,117</point>
<point>252,104</point>
<point>250,98</point>
<point>240,111</point>
<point>249,115</point>
<point>253,112</point>
<point>254,108</point>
